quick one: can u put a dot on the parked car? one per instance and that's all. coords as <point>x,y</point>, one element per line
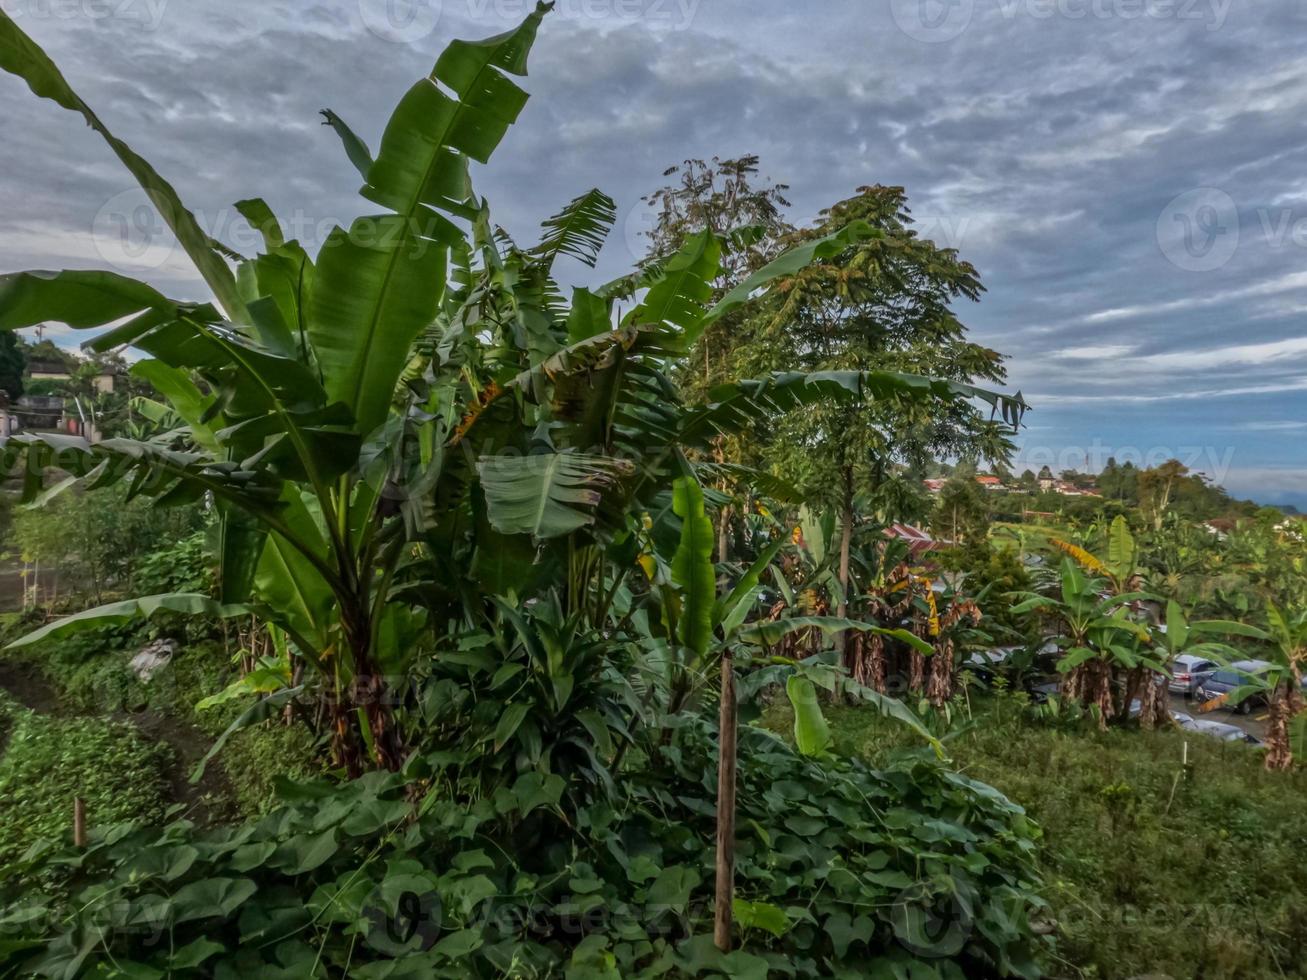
<point>1219,684</point>
<point>1185,675</point>
<point>1215,729</point>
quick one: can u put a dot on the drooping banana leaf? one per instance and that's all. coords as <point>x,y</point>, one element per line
<point>737,405</point>
<point>355,148</point>
<point>80,298</point>
<point>549,494</point>
<point>579,230</point>
<point>811,732</point>
<point>168,475</point>
<point>131,610</point>
<point>23,57</point>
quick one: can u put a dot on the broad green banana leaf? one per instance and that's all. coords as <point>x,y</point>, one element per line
<point>692,568</point>
<point>550,494</point>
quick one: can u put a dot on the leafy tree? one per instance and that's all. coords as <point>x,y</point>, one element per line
<point>1099,641</point>
<point>961,513</point>
<point>884,302</point>
<point>13,364</point>
<point>1156,488</point>
<point>723,198</point>
<point>1281,683</point>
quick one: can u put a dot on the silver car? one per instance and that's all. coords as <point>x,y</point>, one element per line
<point>1186,671</point>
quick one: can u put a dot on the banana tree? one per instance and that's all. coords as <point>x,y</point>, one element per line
<point>1180,636</point>
<point>286,384</point>
<point>1097,637</point>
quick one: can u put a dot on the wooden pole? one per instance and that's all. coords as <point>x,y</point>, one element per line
<point>79,822</point>
<point>725,807</point>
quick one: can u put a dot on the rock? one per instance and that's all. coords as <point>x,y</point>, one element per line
<point>152,658</point>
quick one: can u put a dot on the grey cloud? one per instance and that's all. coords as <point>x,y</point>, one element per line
<point>1051,147</point>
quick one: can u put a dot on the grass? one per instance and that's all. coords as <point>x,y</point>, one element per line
<point>1148,872</point>
<point>47,760</point>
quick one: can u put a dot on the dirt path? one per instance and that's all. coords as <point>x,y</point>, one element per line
<point>28,686</point>
<point>206,802</point>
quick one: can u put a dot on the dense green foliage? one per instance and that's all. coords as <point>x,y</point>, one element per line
<point>839,865</point>
<point>92,545</point>
<point>46,761</point>
<point>460,525</point>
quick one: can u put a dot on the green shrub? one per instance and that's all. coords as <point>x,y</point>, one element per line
<point>842,871</point>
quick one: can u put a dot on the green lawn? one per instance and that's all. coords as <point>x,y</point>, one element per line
<point>1148,873</point>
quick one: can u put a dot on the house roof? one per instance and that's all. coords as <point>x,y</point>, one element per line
<point>919,541</point>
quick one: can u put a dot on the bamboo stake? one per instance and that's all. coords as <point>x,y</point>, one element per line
<point>79,823</point>
<point>725,807</point>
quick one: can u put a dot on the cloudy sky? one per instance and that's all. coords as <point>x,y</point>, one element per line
<point>1129,176</point>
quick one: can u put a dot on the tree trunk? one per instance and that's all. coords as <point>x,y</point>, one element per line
<point>1279,753</point>
<point>846,541</point>
<point>725,807</point>
<point>369,692</point>
<point>1154,702</point>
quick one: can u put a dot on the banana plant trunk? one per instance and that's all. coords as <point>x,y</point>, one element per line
<point>727,721</point>
<point>370,694</point>
<point>1285,703</point>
